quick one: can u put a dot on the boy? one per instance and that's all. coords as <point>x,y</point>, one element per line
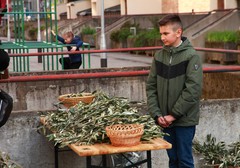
<point>74,61</point>
<point>174,88</point>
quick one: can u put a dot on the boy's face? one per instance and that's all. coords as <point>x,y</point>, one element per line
<point>67,39</point>
<point>170,37</point>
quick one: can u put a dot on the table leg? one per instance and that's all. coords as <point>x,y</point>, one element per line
<point>56,155</point>
<point>89,162</point>
<point>149,159</point>
<point>104,160</point>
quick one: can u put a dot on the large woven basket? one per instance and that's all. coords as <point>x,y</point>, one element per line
<point>125,134</point>
<point>68,101</point>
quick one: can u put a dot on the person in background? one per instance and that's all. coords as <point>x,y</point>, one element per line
<point>74,61</point>
<point>4,60</point>
<point>173,88</point>
<point>6,101</point>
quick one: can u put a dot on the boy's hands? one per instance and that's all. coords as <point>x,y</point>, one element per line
<point>162,122</point>
<point>169,118</point>
<point>165,121</point>
<point>53,32</point>
<point>73,48</point>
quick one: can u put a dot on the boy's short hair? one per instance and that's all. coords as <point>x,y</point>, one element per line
<point>171,19</point>
<point>68,35</point>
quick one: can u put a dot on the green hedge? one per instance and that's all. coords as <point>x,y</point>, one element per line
<point>147,38</point>
<point>123,33</point>
<point>88,31</point>
<point>143,39</point>
<point>223,36</point>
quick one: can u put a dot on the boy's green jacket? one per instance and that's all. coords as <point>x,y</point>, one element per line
<point>174,84</point>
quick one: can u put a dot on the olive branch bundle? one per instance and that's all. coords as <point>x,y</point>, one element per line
<point>6,162</point>
<point>85,124</point>
<point>218,153</point>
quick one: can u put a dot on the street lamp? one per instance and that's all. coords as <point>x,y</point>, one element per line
<point>103,39</point>
<point>8,22</point>
<point>38,19</point>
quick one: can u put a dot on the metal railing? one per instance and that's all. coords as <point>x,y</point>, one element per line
<point>49,56</point>
<point>102,74</point>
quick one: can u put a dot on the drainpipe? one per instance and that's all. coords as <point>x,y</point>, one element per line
<point>125,7</point>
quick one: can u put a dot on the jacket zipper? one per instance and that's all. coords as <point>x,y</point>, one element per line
<point>169,68</point>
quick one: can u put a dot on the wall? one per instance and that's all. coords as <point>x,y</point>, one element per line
<point>96,6</point>
<point>111,3</point>
<point>219,85</point>
<point>61,8</point>
<point>196,5</point>
<point>123,7</point>
<point>203,6</point>
<point>42,94</point>
<point>213,4</point>
<point>230,4</point>
<point>170,6</point>
<point>136,7</point>
<point>77,7</point>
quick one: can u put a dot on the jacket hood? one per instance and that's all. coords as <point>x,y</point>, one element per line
<point>184,46</point>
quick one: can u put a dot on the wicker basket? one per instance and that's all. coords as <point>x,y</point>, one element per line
<point>69,101</point>
<point>125,135</point>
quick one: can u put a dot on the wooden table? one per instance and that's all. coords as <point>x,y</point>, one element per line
<point>105,149</point>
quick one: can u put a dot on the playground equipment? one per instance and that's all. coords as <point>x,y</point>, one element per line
<point>46,13</point>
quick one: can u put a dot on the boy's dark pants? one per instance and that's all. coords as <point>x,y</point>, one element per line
<point>180,156</point>
<point>68,64</point>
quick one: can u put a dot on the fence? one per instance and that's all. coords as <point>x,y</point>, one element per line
<point>21,61</point>
<point>50,57</point>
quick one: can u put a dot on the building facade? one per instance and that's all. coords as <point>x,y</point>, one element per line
<point>142,7</point>
<point>74,8</point>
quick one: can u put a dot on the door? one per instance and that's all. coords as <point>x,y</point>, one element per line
<point>220,4</point>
